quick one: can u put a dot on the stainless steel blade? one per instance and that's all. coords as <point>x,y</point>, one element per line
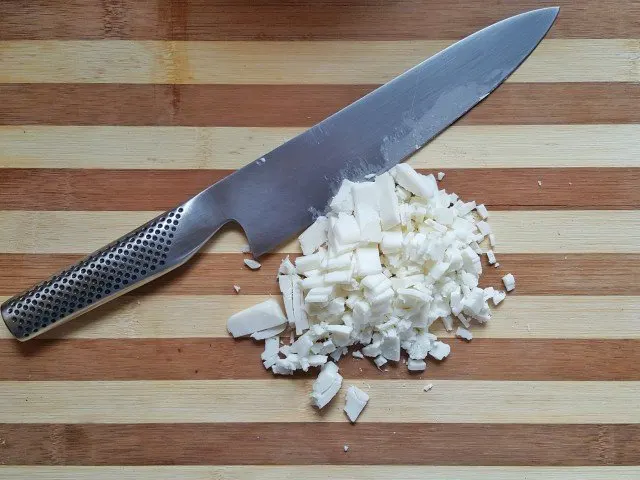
<point>278,195</point>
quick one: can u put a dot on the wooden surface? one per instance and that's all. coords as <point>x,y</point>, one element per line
<point>113,110</point>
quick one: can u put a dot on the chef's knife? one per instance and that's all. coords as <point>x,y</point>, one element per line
<point>278,195</point>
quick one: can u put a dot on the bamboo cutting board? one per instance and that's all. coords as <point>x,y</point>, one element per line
<point>111,111</point>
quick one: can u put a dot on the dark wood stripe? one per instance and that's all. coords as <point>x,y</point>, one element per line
<point>292,20</point>
<point>499,189</point>
<point>320,443</point>
<point>537,274</point>
<point>294,105</point>
<point>229,359</point>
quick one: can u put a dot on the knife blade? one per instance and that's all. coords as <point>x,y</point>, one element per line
<point>279,194</point>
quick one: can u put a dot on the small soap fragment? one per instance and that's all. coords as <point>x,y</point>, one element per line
<point>357,354</point>
<point>491,257</point>
<point>315,236</point>
<point>287,267</point>
<point>368,261</point>
<point>346,448</point>
<point>498,296</point>
<point>326,385</point>
<point>464,333</point>
<point>236,288</point>
<point>440,176</point>
<point>439,350</point>
<point>356,400</point>
<point>428,387</point>
<point>262,316</point>
<point>387,201</point>
<point>252,264</point>
<point>343,200</point>
<point>268,332</point>
<point>482,211</point>
<point>414,365</point>
<point>380,361</point>
<point>484,228</point>
<point>422,185</point>
<point>509,282</point>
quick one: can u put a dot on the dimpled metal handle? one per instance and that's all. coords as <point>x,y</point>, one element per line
<point>146,253</point>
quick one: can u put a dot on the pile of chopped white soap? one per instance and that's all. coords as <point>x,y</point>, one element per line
<point>391,257</point>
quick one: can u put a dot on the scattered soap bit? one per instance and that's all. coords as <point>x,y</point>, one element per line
<point>356,400</point>
<point>440,176</point>
<point>262,316</point>
<point>482,211</point>
<point>236,288</point>
<point>464,334</point>
<point>509,282</point>
<point>539,183</point>
<point>252,264</point>
<point>428,387</point>
<point>346,448</point>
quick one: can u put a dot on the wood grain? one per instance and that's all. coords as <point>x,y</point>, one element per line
<point>530,231</point>
<point>215,274</point>
<point>227,148</point>
<point>229,359</point>
<point>148,316</point>
<point>295,105</point>
<point>335,472</point>
<point>171,95</point>
<point>326,62</point>
<point>292,443</point>
<point>59,189</point>
<point>291,20</point>
<point>286,400</point>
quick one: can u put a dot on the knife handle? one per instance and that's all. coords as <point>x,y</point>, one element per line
<point>134,259</point>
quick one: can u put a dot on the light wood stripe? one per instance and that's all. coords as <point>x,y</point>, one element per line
<point>286,400</point>
<point>537,274</point>
<point>267,20</point>
<point>295,105</point>
<point>500,189</point>
<point>228,359</point>
<point>320,472</point>
<point>120,147</point>
<point>560,231</point>
<point>326,62</point>
<point>520,316</point>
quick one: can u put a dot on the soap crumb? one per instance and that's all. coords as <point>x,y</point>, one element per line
<point>440,176</point>
<point>236,288</point>
<point>539,183</point>
<point>428,387</point>
<point>346,448</point>
<point>252,264</point>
